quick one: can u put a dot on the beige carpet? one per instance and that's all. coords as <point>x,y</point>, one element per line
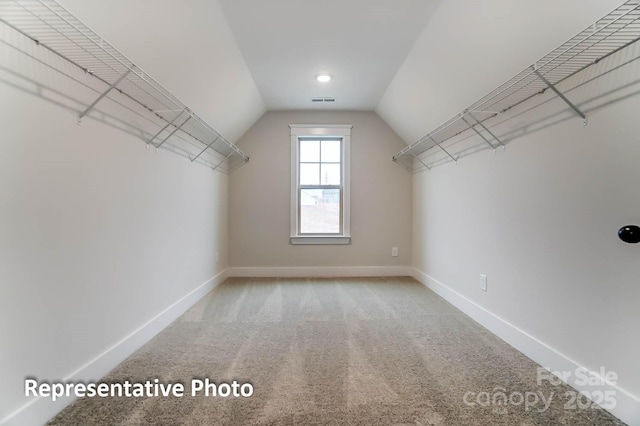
<point>361,351</point>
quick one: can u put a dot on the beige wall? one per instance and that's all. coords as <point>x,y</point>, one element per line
<point>259,195</point>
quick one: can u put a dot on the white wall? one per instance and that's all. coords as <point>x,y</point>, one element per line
<point>188,47</point>
<point>102,242</point>
<point>260,191</point>
<point>540,219</point>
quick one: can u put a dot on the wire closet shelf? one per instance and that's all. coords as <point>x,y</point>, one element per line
<point>608,35</point>
<point>177,128</point>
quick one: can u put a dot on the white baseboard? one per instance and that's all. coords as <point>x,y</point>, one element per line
<point>39,410</point>
<point>627,406</point>
<point>320,271</point>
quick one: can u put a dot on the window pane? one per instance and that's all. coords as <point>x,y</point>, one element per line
<point>320,211</point>
<point>309,151</point>
<point>331,151</point>
<point>330,174</point>
<point>310,174</point>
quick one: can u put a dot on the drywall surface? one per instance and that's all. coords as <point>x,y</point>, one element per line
<point>259,199</point>
<point>540,220</point>
<point>189,48</point>
<point>98,234</point>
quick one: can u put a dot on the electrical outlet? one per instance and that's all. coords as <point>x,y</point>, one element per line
<point>483,282</point>
<point>394,251</point>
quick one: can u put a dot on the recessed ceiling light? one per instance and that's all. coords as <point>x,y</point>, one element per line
<point>323,78</point>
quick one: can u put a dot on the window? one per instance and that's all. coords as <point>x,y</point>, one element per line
<point>320,184</point>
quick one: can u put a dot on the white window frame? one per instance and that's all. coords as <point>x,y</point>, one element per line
<point>304,131</point>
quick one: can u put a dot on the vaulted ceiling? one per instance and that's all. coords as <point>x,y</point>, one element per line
<point>360,43</point>
<point>415,62</point>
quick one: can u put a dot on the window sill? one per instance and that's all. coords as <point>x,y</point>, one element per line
<point>317,240</point>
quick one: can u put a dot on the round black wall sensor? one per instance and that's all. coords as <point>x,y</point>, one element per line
<point>630,234</point>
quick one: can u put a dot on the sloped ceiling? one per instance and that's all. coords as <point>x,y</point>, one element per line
<point>470,47</point>
<point>415,62</point>
<point>188,47</point>
<point>361,43</point>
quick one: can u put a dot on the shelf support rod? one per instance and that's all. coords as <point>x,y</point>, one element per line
<point>222,161</point>
<point>165,127</point>
<point>173,132</point>
<point>206,148</point>
<point>105,93</point>
<point>445,151</point>
<point>485,128</point>
<point>476,130</point>
<point>420,160</point>
<point>395,160</point>
<point>563,97</point>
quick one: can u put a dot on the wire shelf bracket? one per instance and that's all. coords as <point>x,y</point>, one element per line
<point>608,35</point>
<point>202,152</point>
<point>174,132</point>
<point>455,160</point>
<point>150,141</point>
<point>105,93</point>
<point>479,123</point>
<point>103,69</point>
<point>562,96</point>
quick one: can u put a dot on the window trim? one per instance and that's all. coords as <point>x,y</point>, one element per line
<point>305,131</point>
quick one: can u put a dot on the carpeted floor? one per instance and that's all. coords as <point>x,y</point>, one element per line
<point>356,351</point>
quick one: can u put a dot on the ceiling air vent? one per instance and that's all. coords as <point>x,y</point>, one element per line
<point>323,100</point>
